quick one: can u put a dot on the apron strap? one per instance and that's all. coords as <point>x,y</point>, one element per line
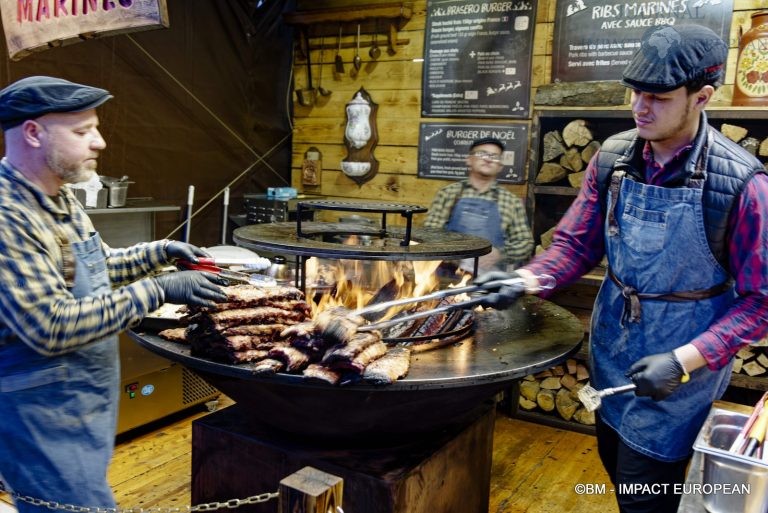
<point>632,308</point>
<point>616,178</point>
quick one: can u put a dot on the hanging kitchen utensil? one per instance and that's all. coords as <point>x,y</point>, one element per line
<point>339,62</point>
<point>357,61</point>
<point>375,51</point>
<point>592,399</point>
<point>320,89</point>
<point>306,96</point>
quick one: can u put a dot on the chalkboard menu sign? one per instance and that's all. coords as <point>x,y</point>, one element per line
<point>478,58</point>
<point>443,149</point>
<point>595,39</point>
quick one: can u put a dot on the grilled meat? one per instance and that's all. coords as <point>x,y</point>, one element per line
<point>294,359</point>
<point>267,366</point>
<point>389,368</point>
<point>337,324</point>
<point>348,351</point>
<point>175,335</point>
<point>280,313</point>
<point>361,360</point>
<point>244,296</point>
<point>322,373</point>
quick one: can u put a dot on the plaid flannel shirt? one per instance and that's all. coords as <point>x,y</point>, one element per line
<point>518,241</point>
<point>36,307</point>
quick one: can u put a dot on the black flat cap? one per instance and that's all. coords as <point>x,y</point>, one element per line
<point>32,97</point>
<point>672,56</point>
<point>487,140</point>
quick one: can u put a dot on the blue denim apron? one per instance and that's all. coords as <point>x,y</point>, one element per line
<point>59,413</point>
<point>660,247</point>
<point>479,217</point>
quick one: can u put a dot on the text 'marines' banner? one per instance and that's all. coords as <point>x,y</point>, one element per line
<point>595,39</point>
<point>35,25</point>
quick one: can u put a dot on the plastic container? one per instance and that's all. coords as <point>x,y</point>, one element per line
<point>725,474</point>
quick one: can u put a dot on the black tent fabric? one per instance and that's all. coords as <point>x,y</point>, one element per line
<point>199,103</point>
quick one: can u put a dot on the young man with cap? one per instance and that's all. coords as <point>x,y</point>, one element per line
<point>64,297</point>
<point>480,206</point>
<point>682,214</point>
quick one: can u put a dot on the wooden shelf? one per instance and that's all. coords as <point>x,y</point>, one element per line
<point>386,18</point>
<point>555,190</point>
<point>396,11</point>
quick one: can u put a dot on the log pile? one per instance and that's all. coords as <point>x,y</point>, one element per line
<point>752,360</point>
<point>555,392</point>
<point>566,153</point>
<point>740,135</point>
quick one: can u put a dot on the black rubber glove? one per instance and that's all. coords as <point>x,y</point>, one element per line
<point>506,295</point>
<point>192,288</point>
<point>657,375</point>
<point>182,251</point>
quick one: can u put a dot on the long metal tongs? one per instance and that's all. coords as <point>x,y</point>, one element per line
<point>546,282</point>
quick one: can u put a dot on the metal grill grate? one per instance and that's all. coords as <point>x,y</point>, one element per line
<point>195,388</point>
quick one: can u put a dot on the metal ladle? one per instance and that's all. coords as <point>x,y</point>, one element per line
<point>375,51</point>
<point>320,89</point>
<point>357,61</point>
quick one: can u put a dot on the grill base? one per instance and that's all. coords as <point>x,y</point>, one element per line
<point>232,457</point>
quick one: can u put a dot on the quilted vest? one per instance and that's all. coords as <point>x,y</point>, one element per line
<point>716,164</point>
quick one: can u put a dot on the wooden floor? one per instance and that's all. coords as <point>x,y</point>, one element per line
<point>535,469</point>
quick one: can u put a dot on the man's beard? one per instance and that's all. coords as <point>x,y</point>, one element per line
<point>69,172</point>
<point>679,128</point>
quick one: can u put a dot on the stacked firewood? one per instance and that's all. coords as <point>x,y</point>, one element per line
<point>555,391</point>
<point>740,135</point>
<point>752,360</point>
<point>566,153</point>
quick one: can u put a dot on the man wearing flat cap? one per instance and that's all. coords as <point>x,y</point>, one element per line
<point>64,297</point>
<point>680,211</point>
<point>480,206</point>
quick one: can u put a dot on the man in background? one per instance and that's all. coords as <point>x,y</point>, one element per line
<point>480,206</point>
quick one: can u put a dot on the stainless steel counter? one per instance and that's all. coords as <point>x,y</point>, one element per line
<point>125,226</point>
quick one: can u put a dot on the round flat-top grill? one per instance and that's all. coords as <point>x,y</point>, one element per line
<point>443,387</point>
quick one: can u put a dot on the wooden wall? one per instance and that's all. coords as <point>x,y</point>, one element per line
<point>394,82</point>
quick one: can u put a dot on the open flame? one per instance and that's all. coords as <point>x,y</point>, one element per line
<point>355,284</point>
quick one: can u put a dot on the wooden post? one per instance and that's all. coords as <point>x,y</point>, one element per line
<point>310,491</point>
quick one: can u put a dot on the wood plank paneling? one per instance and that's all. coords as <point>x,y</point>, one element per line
<point>394,82</point>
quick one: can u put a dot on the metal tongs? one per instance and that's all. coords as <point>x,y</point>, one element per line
<point>209,265</point>
<point>546,282</point>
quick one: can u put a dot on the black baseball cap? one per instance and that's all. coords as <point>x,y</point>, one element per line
<point>487,140</point>
<point>32,97</point>
<point>674,55</point>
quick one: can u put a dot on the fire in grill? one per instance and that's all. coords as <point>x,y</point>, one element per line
<point>442,387</point>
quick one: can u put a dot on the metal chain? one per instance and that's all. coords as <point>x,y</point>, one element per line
<point>210,506</point>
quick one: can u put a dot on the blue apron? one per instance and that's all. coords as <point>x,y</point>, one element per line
<point>479,217</point>
<point>660,247</point>
<point>59,413</point>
